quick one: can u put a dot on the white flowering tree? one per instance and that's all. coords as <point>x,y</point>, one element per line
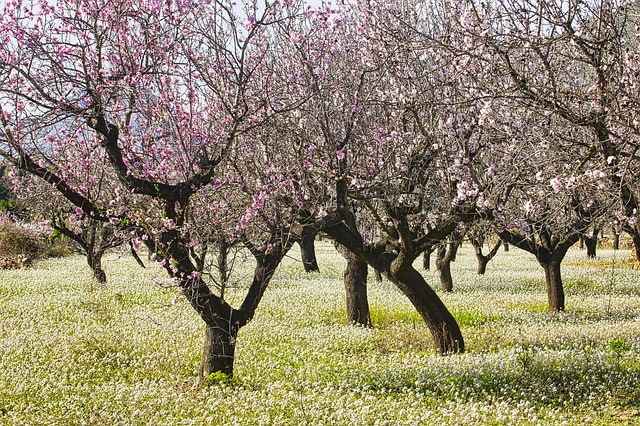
<point>576,62</point>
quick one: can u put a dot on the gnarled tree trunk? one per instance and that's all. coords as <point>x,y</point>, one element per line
<point>399,270</point>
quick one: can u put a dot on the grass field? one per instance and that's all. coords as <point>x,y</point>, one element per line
<point>73,352</point>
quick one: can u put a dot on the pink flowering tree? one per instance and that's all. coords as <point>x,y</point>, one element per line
<point>384,156</point>
<point>162,93</point>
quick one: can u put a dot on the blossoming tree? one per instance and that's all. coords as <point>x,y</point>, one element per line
<point>161,92</point>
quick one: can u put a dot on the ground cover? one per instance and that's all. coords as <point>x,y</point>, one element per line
<point>74,352</point>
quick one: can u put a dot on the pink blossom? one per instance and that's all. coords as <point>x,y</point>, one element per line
<point>557,185</point>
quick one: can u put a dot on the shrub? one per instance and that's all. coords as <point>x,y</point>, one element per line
<point>20,244</point>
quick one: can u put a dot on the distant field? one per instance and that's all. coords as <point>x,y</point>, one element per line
<point>73,352</point>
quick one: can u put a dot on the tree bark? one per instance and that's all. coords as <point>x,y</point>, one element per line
<point>444,270</point>
<point>219,350</point>
<point>483,260</point>
<point>442,325</point>
<point>400,271</point>
<point>591,243</point>
<point>447,254</point>
<point>355,285</point>
<point>94,259</point>
<point>426,260</point>
<point>555,291</point>
<point>635,238</point>
<point>616,238</point>
<point>308,253</point>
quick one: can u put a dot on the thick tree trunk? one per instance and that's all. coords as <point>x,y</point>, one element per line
<point>443,327</point>
<point>555,291</point>
<point>355,285</point>
<point>219,351</point>
<point>95,262</point>
<point>400,271</point>
<point>308,252</point>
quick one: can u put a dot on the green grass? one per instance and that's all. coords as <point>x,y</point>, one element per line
<point>73,352</point>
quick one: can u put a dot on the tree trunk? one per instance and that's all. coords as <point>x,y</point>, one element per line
<point>443,327</point>
<point>555,291</point>
<point>447,254</point>
<point>95,262</point>
<point>635,237</point>
<point>505,245</point>
<point>355,285</point>
<point>400,271</point>
<point>549,256</point>
<point>591,242</point>
<point>482,265</point>
<point>483,260</point>
<point>219,351</point>
<point>616,238</point>
<point>308,253</point>
<point>378,275</point>
<point>443,263</point>
<point>426,260</point>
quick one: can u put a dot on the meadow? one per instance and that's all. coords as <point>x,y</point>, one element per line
<point>73,352</point>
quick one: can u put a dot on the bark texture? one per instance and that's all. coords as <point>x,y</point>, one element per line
<point>219,350</point>
<point>445,256</point>
<point>308,252</point>
<point>484,259</point>
<point>355,286</point>
<point>555,290</point>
